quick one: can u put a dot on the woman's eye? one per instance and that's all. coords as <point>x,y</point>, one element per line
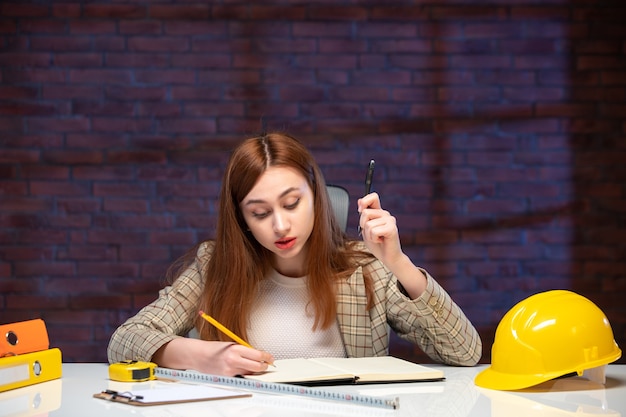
<point>260,215</point>
<point>293,205</point>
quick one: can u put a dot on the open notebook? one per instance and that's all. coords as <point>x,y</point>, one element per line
<point>347,370</point>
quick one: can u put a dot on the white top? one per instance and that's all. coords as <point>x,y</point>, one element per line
<point>281,322</point>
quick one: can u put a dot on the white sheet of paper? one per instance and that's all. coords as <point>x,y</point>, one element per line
<point>182,392</point>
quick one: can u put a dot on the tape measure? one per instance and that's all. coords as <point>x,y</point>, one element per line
<point>132,371</point>
<point>276,388</point>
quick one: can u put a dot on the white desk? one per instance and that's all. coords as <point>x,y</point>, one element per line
<point>457,396</point>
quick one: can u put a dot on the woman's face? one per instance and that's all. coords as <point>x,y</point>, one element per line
<point>279,212</point>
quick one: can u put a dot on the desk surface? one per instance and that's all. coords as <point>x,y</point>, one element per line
<point>457,396</point>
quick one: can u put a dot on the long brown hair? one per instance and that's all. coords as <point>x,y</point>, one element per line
<point>239,262</point>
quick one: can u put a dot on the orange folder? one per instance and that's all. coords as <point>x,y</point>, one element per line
<point>23,337</point>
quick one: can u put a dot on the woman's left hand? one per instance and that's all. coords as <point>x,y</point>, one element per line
<point>380,234</point>
<point>379,230</point>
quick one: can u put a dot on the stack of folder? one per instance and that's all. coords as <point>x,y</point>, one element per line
<point>25,355</point>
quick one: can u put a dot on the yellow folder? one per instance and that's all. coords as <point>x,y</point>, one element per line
<point>30,368</point>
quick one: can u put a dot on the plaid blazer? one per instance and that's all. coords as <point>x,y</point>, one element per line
<point>433,321</point>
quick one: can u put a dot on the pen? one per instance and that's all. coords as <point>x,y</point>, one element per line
<point>368,183</point>
<point>227,332</point>
<point>368,177</point>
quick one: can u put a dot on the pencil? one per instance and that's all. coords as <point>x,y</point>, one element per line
<point>224,330</point>
<point>227,332</point>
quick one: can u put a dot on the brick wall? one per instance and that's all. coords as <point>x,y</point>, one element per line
<point>498,129</point>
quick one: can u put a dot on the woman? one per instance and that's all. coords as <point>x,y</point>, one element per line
<point>282,275</point>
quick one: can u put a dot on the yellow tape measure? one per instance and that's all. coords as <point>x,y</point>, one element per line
<point>132,371</point>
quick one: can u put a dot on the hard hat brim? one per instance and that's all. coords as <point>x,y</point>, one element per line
<point>491,379</point>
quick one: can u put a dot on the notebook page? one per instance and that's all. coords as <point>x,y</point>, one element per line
<point>381,368</point>
<point>299,370</point>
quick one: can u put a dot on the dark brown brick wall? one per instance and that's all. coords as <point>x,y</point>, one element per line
<point>498,128</point>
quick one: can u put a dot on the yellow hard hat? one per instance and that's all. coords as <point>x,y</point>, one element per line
<point>545,336</point>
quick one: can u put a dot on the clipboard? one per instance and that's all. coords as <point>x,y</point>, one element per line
<point>170,393</point>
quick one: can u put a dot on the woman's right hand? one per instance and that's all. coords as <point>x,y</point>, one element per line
<point>212,357</point>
